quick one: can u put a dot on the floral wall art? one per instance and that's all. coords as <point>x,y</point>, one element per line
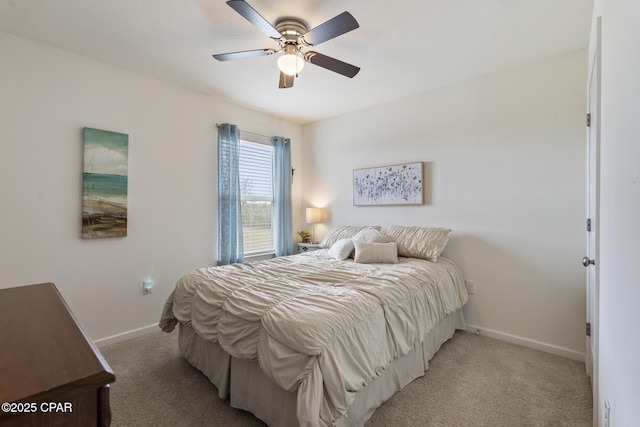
<point>388,185</point>
<point>104,184</point>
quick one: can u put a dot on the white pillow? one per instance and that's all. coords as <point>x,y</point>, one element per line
<point>367,253</point>
<point>342,232</point>
<point>370,235</point>
<point>419,242</point>
<point>341,249</point>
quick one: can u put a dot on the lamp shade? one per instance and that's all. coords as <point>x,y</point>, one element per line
<point>314,215</point>
<point>291,62</point>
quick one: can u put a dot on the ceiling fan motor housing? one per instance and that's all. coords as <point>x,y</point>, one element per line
<point>291,30</point>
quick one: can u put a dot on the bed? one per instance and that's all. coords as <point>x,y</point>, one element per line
<point>324,337</point>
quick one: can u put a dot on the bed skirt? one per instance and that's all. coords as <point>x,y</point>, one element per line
<point>248,388</point>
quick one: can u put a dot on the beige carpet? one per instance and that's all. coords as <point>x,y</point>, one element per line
<point>473,381</point>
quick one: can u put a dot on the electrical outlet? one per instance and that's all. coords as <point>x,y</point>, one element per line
<point>471,286</point>
<point>607,413</point>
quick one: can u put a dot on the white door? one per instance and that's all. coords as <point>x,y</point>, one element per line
<point>590,261</point>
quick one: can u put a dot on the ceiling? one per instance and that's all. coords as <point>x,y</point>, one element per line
<point>403,47</point>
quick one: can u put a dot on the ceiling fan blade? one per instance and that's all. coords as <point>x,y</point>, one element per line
<point>243,54</point>
<point>250,14</point>
<point>334,27</point>
<point>286,81</point>
<point>331,64</point>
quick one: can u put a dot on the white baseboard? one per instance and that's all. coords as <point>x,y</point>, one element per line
<point>526,342</point>
<point>126,335</point>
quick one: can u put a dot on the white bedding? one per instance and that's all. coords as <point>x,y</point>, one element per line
<point>317,326</point>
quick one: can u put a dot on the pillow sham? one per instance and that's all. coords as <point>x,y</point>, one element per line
<point>341,249</point>
<point>419,242</point>
<point>368,253</point>
<point>342,232</point>
<point>370,235</point>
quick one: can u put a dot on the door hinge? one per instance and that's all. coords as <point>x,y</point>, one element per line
<point>588,329</point>
<point>588,119</point>
<point>588,224</point>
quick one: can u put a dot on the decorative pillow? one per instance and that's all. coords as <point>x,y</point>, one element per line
<point>367,253</point>
<point>341,249</point>
<point>370,235</point>
<point>419,242</point>
<point>342,232</point>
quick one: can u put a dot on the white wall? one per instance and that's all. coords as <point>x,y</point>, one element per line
<point>619,348</point>
<point>505,161</point>
<point>46,97</point>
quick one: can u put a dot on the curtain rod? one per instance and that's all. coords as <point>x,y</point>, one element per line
<point>252,133</point>
<point>256,134</point>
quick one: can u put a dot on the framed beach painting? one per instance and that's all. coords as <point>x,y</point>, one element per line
<point>104,184</point>
<point>389,185</point>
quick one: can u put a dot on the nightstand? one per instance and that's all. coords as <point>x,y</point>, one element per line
<point>307,247</point>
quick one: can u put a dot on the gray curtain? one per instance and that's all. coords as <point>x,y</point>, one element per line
<point>230,246</point>
<point>282,195</point>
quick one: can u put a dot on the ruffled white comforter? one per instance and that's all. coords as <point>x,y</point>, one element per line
<point>317,325</point>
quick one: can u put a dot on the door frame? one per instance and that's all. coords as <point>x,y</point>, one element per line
<point>593,213</point>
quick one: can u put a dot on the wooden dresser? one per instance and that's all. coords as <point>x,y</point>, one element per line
<point>51,373</point>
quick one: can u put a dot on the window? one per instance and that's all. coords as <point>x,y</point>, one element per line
<point>256,184</point>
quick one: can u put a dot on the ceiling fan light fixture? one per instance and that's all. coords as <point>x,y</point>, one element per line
<point>292,62</point>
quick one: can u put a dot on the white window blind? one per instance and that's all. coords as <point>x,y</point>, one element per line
<point>256,183</point>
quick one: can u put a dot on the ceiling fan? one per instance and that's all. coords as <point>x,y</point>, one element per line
<point>292,35</point>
